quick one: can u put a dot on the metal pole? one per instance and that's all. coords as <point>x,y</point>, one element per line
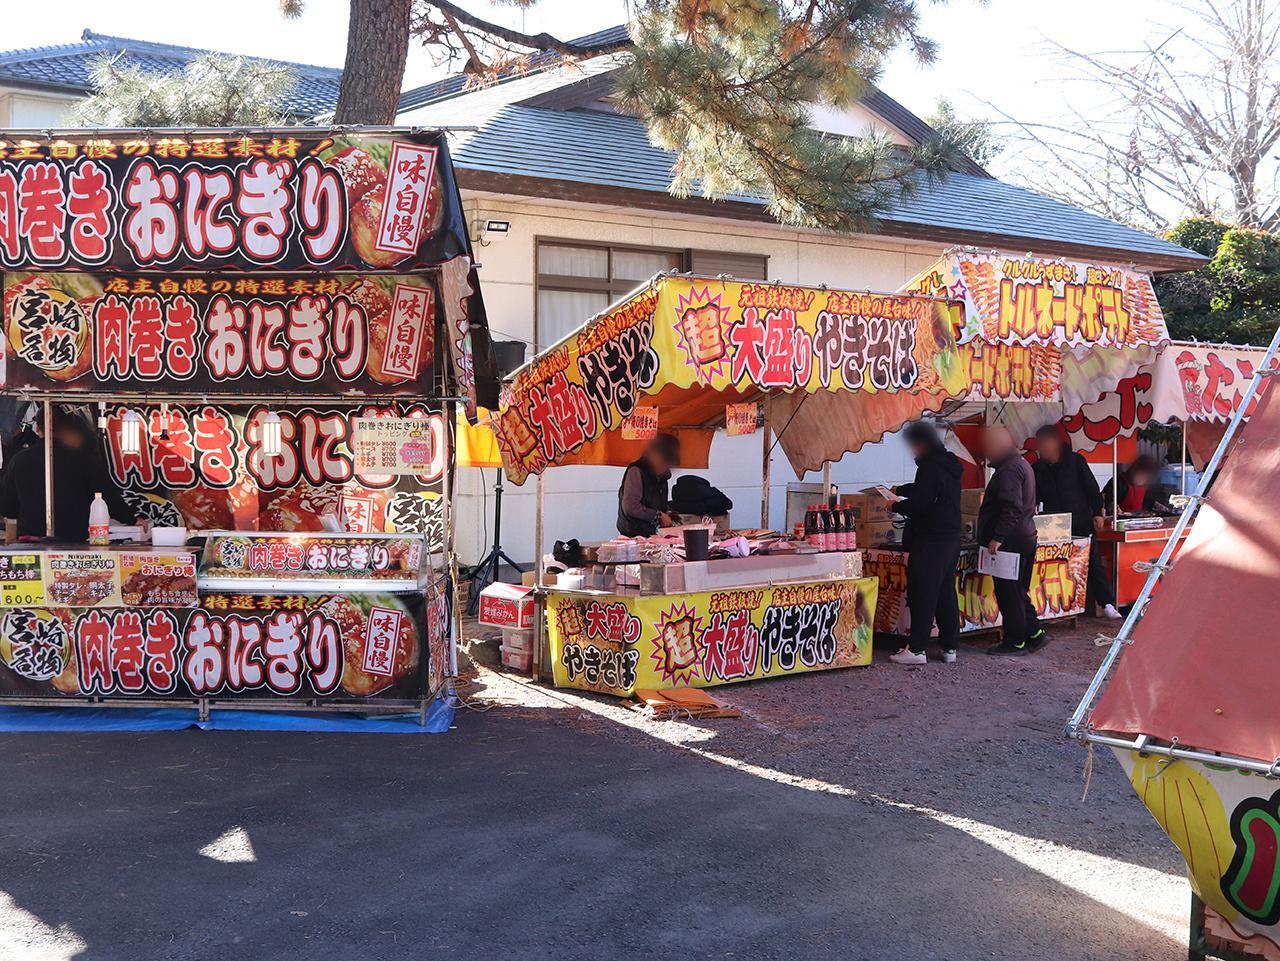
<point>540,602</point>
<point>450,555</point>
<point>48,468</point>
<point>1183,487</point>
<point>766,470</point>
<point>1162,563</point>
<point>826,483</point>
<point>1115,514</point>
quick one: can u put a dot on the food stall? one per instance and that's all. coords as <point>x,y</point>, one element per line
<point>1197,386</point>
<point>1185,696</point>
<point>268,331</point>
<point>1039,339</point>
<point>688,355</point>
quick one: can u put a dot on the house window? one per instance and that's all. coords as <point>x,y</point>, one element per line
<point>577,281</point>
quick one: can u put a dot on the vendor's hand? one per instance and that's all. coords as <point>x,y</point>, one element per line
<point>1099,524</point>
<point>668,520</point>
<point>144,527</point>
<point>994,547</point>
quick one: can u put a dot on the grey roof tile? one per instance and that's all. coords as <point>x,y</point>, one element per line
<point>68,67</point>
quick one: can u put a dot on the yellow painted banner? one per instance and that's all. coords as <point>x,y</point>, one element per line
<point>615,644</point>
<point>1226,823</point>
<point>687,347</point>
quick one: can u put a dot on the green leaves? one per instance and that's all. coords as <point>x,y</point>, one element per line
<point>1235,298</point>
<point>731,86</point>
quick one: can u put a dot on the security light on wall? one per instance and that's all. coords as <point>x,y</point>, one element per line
<point>485,231</point>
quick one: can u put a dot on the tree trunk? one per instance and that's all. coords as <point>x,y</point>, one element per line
<point>377,45</point>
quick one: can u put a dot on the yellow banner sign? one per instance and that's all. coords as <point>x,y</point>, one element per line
<point>690,346</point>
<point>615,644</point>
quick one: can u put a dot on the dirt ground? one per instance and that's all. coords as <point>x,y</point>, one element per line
<point>886,814</point>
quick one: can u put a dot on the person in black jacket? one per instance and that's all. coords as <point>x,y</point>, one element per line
<point>643,502</point>
<point>931,505</point>
<point>1006,523</point>
<point>78,473</point>
<point>1066,485</point>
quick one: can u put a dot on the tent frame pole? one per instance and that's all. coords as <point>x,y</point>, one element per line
<point>1077,727</point>
<point>766,469</point>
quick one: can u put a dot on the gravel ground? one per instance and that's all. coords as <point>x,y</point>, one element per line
<point>886,814</point>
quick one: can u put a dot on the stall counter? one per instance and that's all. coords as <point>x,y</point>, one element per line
<point>1058,585</point>
<point>1123,548</point>
<point>616,642</point>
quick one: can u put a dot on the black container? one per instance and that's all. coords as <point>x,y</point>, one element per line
<point>697,543</point>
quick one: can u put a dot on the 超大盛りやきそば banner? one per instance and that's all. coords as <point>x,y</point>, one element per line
<point>286,200</point>
<point>616,644</point>
<point>688,347</point>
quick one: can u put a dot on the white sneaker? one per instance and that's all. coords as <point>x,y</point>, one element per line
<point>907,656</point>
<point>948,657</point>
<point>1110,612</point>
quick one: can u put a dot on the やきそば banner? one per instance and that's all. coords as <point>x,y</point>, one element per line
<point>1058,582</point>
<point>331,647</point>
<point>222,334</point>
<point>285,200</point>
<point>616,644</point>
<point>687,347</point>
<point>203,466</point>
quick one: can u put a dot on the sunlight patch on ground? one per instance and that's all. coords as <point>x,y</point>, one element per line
<point>1155,899</point>
<point>233,847</point>
<point>24,937</point>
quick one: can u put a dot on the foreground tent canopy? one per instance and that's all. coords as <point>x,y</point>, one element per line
<point>679,352</point>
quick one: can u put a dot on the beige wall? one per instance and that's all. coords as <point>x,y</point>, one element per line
<point>581,501</point>
<point>24,110</point>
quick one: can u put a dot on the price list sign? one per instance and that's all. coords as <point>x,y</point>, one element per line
<point>21,580</point>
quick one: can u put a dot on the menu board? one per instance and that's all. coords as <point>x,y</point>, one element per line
<point>98,579</point>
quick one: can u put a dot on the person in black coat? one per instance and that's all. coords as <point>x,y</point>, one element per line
<point>931,505</point>
<point>1066,485</point>
<point>1006,523</point>
<point>644,504</point>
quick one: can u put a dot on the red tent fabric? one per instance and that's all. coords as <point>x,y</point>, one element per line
<point>1203,665</point>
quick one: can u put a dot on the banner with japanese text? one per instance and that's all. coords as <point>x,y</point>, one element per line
<point>137,577</point>
<point>687,347</point>
<point>618,644</point>
<point>332,647</point>
<point>1226,824</point>
<point>289,199</point>
<point>1058,584</point>
<point>221,334</point>
<point>203,466</point>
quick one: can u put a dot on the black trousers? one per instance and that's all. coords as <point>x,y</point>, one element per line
<point>1013,597</point>
<point>1101,590</point>
<point>931,592</point>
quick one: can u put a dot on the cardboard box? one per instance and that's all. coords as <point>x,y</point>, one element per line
<point>971,500</point>
<point>868,508</point>
<point>506,605</point>
<point>1053,527</point>
<point>721,522</point>
<point>517,639</point>
<point>521,661</point>
<point>878,534</point>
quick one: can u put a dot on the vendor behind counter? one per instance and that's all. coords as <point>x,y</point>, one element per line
<point>644,502</point>
<point>79,472</point>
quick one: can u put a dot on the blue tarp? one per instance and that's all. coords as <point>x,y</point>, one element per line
<point>79,719</point>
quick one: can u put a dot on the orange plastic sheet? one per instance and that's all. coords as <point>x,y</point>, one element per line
<point>682,349</point>
<point>1202,665</point>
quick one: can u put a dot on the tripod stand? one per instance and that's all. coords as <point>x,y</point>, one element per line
<point>486,572</point>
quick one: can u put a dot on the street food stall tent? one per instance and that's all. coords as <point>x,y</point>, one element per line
<point>680,354</point>
<point>1186,694</point>
<point>273,328</point>
<point>1039,339</point>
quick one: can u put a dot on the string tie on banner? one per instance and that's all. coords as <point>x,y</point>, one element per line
<point>1106,640</point>
<point>1145,567</point>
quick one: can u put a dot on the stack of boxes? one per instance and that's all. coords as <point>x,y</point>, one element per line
<point>874,522</point>
<point>970,502</point>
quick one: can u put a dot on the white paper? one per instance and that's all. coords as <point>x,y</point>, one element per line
<point>1001,564</point>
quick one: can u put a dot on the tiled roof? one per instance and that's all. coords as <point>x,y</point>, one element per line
<point>67,67</point>
<point>608,150</point>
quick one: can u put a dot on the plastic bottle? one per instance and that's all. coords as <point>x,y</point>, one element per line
<point>852,527</point>
<point>99,522</point>
<point>813,527</point>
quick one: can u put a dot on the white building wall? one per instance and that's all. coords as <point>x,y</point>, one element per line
<point>22,110</point>
<point>581,502</point>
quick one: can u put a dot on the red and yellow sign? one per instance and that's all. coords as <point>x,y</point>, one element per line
<point>615,644</point>
<point>1058,583</point>
<point>689,347</point>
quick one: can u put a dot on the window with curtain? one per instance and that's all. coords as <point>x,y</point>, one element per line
<point>577,281</point>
